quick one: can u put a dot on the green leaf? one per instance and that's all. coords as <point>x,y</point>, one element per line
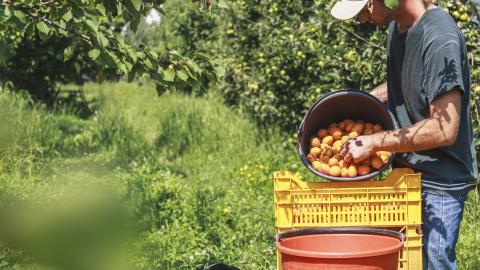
<point>102,39</point>
<point>161,89</point>
<point>182,75</point>
<point>137,4</point>
<point>6,14</point>
<point>93,25</point>
<point>193,66</point>
<point>222,4</point>
<point>101,9</point>
<point>43,27</point>
<point>67,16</point>
<point>94,53</point>
<point>68,53</point>
<point>169,75</point>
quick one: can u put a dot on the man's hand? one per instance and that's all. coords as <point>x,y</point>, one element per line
<point>358,149</point>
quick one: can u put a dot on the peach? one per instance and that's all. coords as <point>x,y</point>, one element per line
<point>344,172</point>
<point>324,168</point>
<point>317,164</point>
<point>333,125</point>
<point>334,171</point>
<point>336,133</point>
<point>384,159</point>
<point>365,162</point>
<point>363,170</point>
<point>352,171</point>
<point>349,126</point>
<point>322,133</point>
<point>368,131</point>
<point>333,162</point>
<point>358,127</point>
<point>353,135</point>
<point>342,125</point>
<point>369,126</point>
<point>376,162</point>
<point>315,142</point>
<point>327,140</point>
<point>315,151</point>
<point>384,153</point>
<point>377,128</point>
<point>310,158</point>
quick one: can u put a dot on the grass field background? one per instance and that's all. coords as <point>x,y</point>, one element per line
<point>195,176</point>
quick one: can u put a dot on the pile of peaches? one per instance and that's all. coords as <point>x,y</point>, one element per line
<point>325,149</point>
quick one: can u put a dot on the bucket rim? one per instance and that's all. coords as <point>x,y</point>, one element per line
<point>345,231</point>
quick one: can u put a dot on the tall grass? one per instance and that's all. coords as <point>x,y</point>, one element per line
<point>195,175</point>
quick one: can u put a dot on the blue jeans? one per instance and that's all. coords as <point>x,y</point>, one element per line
<point>441,217</point>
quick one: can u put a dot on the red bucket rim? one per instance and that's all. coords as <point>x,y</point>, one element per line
<point>341,231</point>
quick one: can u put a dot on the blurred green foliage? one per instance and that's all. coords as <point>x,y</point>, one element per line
<point>44,44</point>
<point>197,182</point>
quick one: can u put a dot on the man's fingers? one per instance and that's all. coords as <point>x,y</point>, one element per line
<point>348,157</point>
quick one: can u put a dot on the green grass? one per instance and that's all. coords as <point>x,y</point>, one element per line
<point>195,176</point>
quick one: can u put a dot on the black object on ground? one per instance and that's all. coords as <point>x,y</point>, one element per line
<point>221,266</point>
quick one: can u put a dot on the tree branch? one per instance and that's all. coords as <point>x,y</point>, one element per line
<point>363,39</point>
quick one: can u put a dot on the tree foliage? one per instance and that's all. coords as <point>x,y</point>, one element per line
<point>95,30</point>
<point>284,56</point>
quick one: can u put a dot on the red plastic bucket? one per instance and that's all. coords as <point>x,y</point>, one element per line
<point>340,248</point>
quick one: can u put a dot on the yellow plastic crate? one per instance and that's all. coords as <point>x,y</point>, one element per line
<point>393,203</point>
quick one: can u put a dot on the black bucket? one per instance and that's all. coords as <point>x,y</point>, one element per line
<point>336,107</point>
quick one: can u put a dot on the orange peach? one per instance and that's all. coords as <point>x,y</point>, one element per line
<point>377,128</point>
<point>333,125</point>
<point>322,133</point>
<point>358,127</point>
<point>363,170</point>
<point>365,162</point>
<point>324,168</point>
<point>344,172</point>
<point>376,162</point>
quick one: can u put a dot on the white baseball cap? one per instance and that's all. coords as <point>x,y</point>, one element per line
<point>347,9</point>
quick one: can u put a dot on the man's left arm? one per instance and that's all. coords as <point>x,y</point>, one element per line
<point>440,129</point>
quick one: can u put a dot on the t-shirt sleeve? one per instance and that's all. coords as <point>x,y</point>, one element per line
<point>443,67</point>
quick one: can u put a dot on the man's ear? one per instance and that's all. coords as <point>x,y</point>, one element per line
<point>392,4</point>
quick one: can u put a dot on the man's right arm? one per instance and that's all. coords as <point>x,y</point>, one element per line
<point>380,92</point>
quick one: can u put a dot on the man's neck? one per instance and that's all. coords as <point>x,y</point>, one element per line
<point>409,12</point>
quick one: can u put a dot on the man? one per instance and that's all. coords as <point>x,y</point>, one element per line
<point>428,92</point>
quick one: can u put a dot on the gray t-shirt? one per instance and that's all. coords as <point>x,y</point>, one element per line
<point>423,63</point>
